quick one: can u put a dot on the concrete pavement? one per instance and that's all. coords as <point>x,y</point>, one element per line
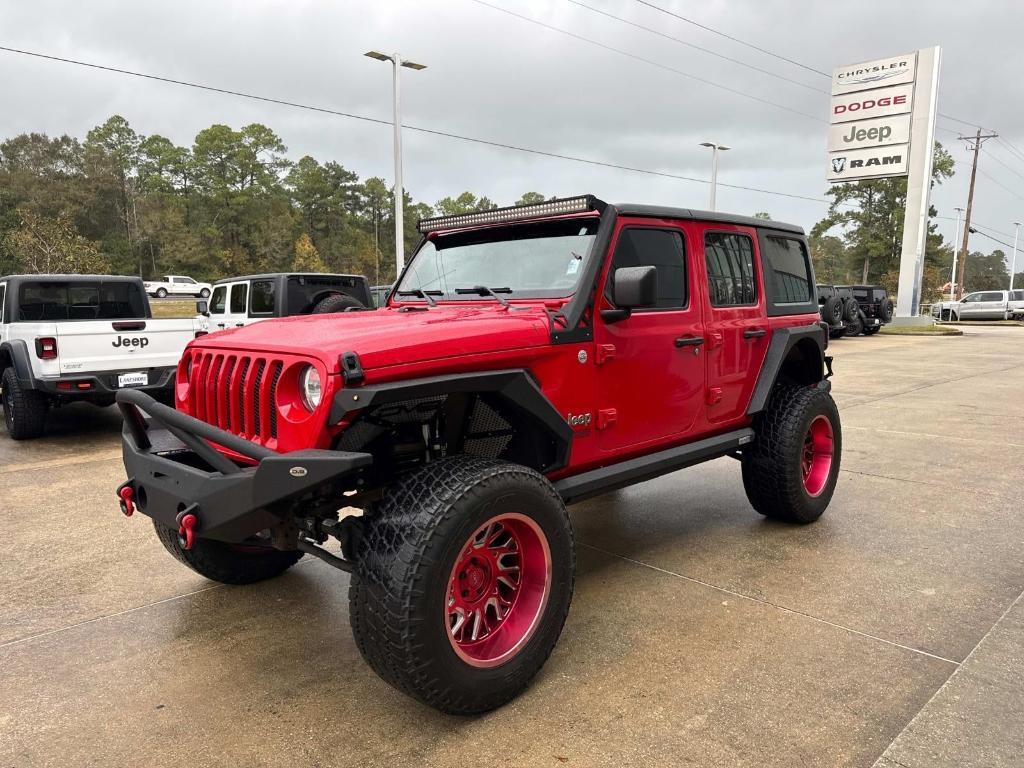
<point>700,634</point>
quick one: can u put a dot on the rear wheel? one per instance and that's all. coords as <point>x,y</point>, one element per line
<point>463,580</point>
<point>854,327</point>
<point>790,470</point>
<point>24,409</point>
<point>227,563</point>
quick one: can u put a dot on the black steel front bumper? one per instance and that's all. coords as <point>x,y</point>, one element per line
<point>174,471</point>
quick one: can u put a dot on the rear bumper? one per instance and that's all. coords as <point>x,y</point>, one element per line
<point>86,385</point>
<point>172,470</point>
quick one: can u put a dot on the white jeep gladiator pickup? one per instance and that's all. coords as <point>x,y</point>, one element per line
<point>67,338</point>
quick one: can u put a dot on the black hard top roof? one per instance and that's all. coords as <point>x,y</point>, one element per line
<point>668,212</point>
<point>271,275</point>
<point>70,278</point>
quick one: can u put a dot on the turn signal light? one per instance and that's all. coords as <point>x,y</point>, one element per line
<point>46,348</point>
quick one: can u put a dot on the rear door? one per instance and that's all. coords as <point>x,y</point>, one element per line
<point>737,335</point>
<point>650,375</point>
<point>993,304</point>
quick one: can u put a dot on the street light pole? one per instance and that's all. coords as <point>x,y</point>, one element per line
<point>956,246</point>
<point>396,63</point>
<point>1013,263</point>
<point>715,149</point>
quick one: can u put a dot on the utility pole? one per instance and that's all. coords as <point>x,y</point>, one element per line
<point>1013,263</point>
<point>956,238</point>
<point>977,141</point>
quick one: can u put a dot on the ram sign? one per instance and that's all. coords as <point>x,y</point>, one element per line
<point>870,119</point>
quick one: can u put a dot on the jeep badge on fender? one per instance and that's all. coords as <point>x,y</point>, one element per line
<point>130,341</point>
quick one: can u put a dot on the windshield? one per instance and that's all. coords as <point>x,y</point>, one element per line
<point>536,260</point>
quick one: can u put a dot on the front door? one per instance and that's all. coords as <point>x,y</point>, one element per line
<point>737,335</point>
<point>970,306</point>
<point>238,305</point>
<point>650,365</point>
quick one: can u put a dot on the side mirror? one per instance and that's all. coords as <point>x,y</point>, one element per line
<point>203,308</point>
<point>634,288</point>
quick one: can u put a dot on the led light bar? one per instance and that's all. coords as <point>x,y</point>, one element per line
<point>579,204</point>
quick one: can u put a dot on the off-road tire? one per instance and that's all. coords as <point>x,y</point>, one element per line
<point>228,564</point>
<point>161,293</point>
<point>772,476</point>
<point>832,312</point>
<point>851,309</point>
<point>24,409</point>
<point>854,327</point>
<point>885,310</point>
<point>836,333</point>
<point>405,557</point>
<point>336,302</point>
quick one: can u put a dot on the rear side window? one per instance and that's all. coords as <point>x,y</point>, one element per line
<point>3,295</point>
<point>239,298</point>
<point>1014,296</point>
<point>219,300</point>
<point>262,298</point>
<point>661,249</point>
<point>787,270</point>
<point>303,292</point>
<point>730,260</point>
<point>992,296</point>
<point>80,301</point>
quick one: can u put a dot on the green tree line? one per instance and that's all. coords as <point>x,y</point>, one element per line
<point>119,202</point>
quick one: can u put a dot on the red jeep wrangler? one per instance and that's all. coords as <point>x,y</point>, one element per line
<point>528,358</point>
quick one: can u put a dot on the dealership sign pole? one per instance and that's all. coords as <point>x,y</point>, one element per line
<point>883,125</point>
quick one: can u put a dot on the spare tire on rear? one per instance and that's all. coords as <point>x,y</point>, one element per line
<point>832,312</point>
<point>336,302</point>
<point>850,310</point>
<point>885,310</point>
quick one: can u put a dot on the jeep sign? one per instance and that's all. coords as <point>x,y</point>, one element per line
<point>868,163</point>
<point>869,133</point>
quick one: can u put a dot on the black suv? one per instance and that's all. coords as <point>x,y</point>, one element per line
<point>851,310</point>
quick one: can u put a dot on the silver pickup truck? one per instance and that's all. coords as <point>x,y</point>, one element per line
<point>67,338</point>
<point>982,305</point>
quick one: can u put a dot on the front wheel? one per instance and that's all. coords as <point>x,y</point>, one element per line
<point>161,293</point>
<point>463,580</point>
<point>205,293</point>
<point>227,563</point>
<point>790,470</point>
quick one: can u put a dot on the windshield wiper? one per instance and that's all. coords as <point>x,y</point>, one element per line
<point>428,296</point>
<point>483,290</point>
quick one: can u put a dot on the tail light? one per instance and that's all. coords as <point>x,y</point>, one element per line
<point>46,348</point>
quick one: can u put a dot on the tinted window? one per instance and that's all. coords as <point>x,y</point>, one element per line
<point>304,292</point>
<point>992,296</point>
<point>788,271</point>
<point>239,297</point>
<point>262,298</point>
<point>730,260</point>
<point>3,293</point>
<point>1017,296</point>
<point>80,301</point>
<point>659,248</point>
<point>219,300</point>
<point>188,280</point>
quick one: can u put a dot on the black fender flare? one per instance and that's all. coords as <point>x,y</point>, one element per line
<point>17,351</point>
<point>515,387</point>
<point>783,341</point>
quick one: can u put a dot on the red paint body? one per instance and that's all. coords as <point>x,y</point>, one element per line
<point>643,392</point>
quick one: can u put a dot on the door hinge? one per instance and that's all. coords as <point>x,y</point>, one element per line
<point>606,417</point>
<point>604,353</point>
<point>714,395</point>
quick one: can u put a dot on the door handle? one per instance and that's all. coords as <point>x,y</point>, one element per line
<point>220,325</point>
<point>754,333</point>
<point>239,325</point>
<point>689,341</point>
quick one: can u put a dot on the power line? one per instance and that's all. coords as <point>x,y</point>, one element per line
<point>1012,149</point>
<point>651,62</point>
<point>418,129</point>
<point>1000,184</point>
<point>1007,167</point>
<point>730,37</point>
<point>696,47</point>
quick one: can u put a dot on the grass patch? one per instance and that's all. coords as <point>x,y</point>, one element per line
<point>969,323</point>
<point>923,330</point>
<point>168,308</point>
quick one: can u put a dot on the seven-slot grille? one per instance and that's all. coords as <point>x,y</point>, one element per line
<point>236,393</point>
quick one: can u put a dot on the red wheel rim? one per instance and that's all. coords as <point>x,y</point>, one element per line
<point>498,590</point>
<point>816,458</point>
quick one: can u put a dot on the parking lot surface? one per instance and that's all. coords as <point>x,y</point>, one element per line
<point>891,632</point>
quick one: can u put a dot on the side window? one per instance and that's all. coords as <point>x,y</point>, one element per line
<point>3,295</point>
<point>992,296</point>
<point>239,298</point>
<point>186,280</point>
<point>262,298</point>
<point>972,298</point>
<point>219,300</point>
<point>730,260</point>
<point>661,249</point>
<point>787,270</point>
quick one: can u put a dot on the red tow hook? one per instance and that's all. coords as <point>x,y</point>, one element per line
<point>126,498</point>
<point>187,523</point>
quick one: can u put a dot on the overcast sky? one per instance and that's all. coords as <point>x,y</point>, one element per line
<point>493,76</point>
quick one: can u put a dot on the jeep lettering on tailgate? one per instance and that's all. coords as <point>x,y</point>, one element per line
<point>140,342</point>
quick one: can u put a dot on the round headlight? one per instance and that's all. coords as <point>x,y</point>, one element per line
<point>310,388</point>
